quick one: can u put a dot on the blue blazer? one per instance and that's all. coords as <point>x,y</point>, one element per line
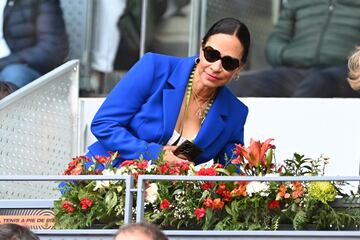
<point>139,115</point>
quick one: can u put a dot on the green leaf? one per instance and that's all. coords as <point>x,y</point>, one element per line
<point>110,200</point>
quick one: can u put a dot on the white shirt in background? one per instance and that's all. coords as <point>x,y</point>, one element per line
<point>4,48</point>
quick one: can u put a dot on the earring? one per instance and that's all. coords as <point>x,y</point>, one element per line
<point>197,60</point>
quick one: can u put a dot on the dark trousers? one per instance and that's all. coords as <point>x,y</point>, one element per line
<point>293,82</point>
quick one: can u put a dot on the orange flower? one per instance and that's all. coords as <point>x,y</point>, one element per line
<point>282,190</point>
<point>208,202</point>
<point>255,153</point>
<point>217,203</point>
<point>240,191</point>
<point>299,191</point>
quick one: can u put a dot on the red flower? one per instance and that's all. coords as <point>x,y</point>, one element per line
<point>68,206</point>
<point>86,203</point>
<point>175,170</point>
<point>164,168</point>
<point>127,163</point>
<point>221,188</point>
<point>274,204</point>
<point>165,204</point>
<point>207,185</point>
<point>75,167</point>
<point>102,159</point>
<point>227,196</point>
<point>206,172</point>
<point>200,213</point>
<point>184,167</point>
<point>142,165</point>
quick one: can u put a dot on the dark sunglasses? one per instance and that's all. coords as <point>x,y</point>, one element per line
<point>228,63</point>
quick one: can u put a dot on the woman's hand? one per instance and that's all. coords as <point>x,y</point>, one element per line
<point>170,157</point>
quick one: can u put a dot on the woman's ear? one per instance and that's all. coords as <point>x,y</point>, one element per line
<point>241,67</point>
<point>238,70</point>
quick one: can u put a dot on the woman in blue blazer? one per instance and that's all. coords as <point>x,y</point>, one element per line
<point>165,100</point>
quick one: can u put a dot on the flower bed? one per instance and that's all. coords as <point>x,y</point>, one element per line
<point>234,205</point>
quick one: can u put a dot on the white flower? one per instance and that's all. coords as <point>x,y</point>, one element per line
<point>122,171</point>
<point>150,167</point>
<point>105,184</point>
<point>257,187</point>
<point>151,193</point>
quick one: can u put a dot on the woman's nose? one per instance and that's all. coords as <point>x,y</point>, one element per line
<point>216,66</point>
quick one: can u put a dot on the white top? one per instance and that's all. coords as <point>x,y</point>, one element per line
<point>4,48</point>
<point>174,137</point>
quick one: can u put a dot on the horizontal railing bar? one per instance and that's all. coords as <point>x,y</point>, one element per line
<point>61,177</point>
<point>27,203</point>
<point>212,233</point>
<point>244,233</point>
<point>248,178</point>
<point>176,177</point>
<point>110,232</point>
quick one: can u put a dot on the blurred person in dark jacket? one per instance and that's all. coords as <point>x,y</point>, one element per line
<point>33,41</point>
<point>308,50</point>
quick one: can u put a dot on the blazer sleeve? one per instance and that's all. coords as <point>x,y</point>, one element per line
<point>227,153</point>
<point>280,37</point>
<point>110,123</point>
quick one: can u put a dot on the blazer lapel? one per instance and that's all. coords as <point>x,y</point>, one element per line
<point>214,122</point>
<point>174,95</point>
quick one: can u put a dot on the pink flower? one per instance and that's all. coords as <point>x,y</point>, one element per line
<point>200,213</point>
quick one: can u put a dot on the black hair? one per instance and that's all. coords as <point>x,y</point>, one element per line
<point>10,231</point>
<point>231,26</point>
<point>148,229</point>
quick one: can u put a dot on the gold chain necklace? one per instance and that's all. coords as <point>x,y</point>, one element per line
<point>202,108</point>
<point>202,111</point>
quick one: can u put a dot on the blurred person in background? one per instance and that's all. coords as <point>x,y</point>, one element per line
<point>106,38</point>
<point>10,231</point>
<point>33,41</point>
<point>308,50</point>
<point>140,231</point>
<point>354,70</point>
